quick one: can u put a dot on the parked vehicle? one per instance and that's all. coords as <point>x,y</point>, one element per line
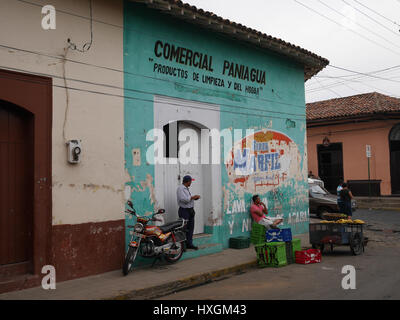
<point>316,181</point>
<point>152,241</point>
<point>321,201</point>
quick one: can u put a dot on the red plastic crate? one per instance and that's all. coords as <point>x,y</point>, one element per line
<point>308,256</point>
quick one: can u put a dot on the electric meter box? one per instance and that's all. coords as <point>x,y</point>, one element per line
<point>74,151</point>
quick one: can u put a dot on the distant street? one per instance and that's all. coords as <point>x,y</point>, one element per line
<point>377,275</point>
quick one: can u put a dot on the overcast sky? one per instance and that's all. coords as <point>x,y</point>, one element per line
<point>359,35</point>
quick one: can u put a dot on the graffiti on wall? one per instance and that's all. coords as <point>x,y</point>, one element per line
<point>266,158</point>
<point>268,163</point>
<point>239,220</point>
<point>239,217</point>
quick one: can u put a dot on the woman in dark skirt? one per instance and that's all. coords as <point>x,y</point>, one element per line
<point>346,196</point>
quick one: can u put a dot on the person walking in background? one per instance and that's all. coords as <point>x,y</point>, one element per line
<point>186,208</point>
<point>346,196</point>
<point>339,199</point>
<point>311,175</point>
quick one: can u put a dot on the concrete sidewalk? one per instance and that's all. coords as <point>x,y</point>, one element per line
<point>379,203</point>
<point>146,283</point>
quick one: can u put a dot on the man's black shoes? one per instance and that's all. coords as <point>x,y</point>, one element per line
<point>190,247</point>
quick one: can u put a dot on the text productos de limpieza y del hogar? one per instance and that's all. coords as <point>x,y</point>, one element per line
<point>203,61</point>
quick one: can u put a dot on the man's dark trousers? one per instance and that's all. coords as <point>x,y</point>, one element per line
<point>347,208</point>
<point>341,206</point>
<point>188,214</point>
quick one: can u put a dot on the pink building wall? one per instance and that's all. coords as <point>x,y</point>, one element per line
<point>354,138</point>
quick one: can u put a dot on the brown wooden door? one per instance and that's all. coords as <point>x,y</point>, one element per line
<point>394,146</point>
<point>330,165</point>
<point>16,184</point>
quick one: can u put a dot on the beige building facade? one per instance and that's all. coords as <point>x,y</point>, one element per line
<point>85,91</point>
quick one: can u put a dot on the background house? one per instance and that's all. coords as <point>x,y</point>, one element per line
<point>339,132</point>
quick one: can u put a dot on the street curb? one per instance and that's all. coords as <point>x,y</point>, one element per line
<point>181,284</point>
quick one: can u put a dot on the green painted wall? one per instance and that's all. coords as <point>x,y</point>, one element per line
<point>279,105</point>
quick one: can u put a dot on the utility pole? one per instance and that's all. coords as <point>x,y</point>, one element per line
<point>368,152</point>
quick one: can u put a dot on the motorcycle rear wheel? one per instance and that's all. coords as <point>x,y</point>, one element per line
<point>129,259</point>
<point>174,258</point>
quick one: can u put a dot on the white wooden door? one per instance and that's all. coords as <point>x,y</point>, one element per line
<point>170,111</point>
<point>191,165</point>
<point>171,175</point>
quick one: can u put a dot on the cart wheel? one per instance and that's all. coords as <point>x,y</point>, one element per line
<point>357,244</point>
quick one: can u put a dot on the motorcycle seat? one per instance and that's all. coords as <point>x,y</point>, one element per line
<point>170,226</point>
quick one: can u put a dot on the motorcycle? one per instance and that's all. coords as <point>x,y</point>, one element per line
<point>151,241</point>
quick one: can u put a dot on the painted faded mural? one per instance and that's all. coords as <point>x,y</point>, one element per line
<point>197,79</point>
<point>267,163</point>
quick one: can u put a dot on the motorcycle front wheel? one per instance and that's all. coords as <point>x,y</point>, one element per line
<point>172,258</point>
<point>129,259</point>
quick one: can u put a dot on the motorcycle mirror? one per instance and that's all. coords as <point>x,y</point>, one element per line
<point>131,212</point>
<point>161,211</point>
<point>130,203</point>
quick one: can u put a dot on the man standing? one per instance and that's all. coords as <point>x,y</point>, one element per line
<point>259,211</point>
<point>186,210</point>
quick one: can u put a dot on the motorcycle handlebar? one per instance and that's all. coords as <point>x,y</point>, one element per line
<point>151,219</point>
<point>134,213</point>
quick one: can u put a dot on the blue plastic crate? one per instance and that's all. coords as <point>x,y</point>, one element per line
<point>278,235</point>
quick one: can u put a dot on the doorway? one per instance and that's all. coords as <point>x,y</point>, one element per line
<point>16,186</point>
<point>330,165</point>
<point>183,140</point>
<point>25,173</point>
<point>190,119</point>
<point>394,147</point>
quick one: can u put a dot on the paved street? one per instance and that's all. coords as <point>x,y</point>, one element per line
<point>377,275</point>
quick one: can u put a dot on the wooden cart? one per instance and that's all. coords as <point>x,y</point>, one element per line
<point>338,234</point>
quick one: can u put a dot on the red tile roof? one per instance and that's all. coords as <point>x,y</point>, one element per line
<point>353,106</point>
<point>205,19</point>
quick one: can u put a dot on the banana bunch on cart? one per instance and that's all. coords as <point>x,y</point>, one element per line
<point>334,216</point>
<point>339,218</point>
<point>343,221</point>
